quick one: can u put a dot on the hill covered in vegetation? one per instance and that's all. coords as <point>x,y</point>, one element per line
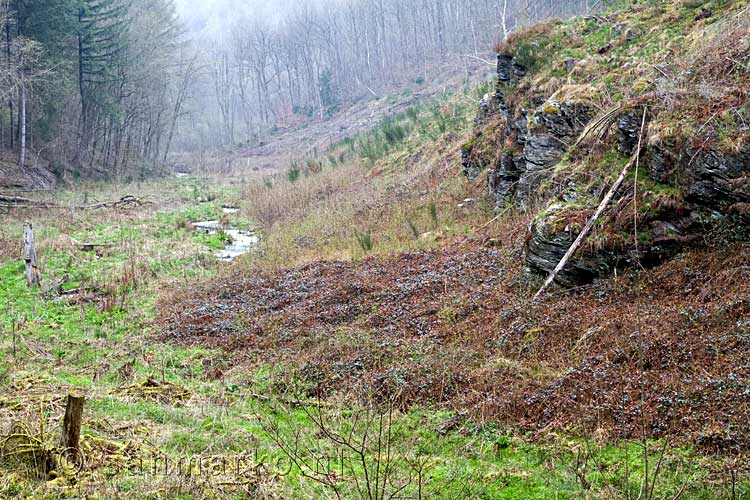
<point>383,338</point>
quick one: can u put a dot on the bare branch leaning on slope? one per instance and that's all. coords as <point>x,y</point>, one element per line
<point>590,224</point>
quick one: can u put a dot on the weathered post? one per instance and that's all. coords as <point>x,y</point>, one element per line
<point>29,255</point>
<point>71,431</point>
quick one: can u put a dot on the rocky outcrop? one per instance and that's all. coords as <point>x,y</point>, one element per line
<point>628,128</point>
<point>551,236</point>
<point>544,140</point>
<point>717,179</point>
<point>503,180</point>
<point>710,178</point>
<point>691,189</point>
<point>663,161</point>
<point>508,70</point>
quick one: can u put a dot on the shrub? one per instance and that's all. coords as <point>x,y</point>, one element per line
<point>294,173</point>
<point>365,240</point>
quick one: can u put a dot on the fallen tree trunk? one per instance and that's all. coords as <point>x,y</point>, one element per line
<point>587,228</point>
<point>5,198</point>
<point>124,202</point>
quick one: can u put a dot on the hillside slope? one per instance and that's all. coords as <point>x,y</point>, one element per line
<point>660,350</point>
<point>383,330</point>
<point>574,102</point>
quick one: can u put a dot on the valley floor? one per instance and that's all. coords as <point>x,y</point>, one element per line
<point>306,381</point>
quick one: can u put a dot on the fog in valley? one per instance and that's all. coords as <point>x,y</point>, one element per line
<point>113,87</point>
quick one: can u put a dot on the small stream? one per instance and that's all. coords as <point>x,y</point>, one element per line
<point>242,242</point>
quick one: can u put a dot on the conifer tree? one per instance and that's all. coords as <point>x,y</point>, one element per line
<point>102,30</point>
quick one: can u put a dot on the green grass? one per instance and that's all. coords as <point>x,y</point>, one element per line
<point>49,347</point>
<point>225,417</point>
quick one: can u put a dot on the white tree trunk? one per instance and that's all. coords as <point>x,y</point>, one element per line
<point>22,127</point>
<point>504,20</point>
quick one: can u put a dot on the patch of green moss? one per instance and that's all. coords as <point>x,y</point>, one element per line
<point>468,146</point>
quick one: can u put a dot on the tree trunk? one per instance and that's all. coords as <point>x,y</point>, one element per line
<point>22,127</point>
<point>10,99</point>
<point>71,431</point>
<point>29,256</point>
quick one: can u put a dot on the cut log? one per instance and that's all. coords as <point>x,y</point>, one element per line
<point>90,247</point>
<point>71,431</point>
<point>29,256</point>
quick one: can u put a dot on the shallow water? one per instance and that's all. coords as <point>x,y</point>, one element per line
<point>242,242</point>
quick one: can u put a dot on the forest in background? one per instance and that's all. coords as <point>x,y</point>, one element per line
<point>109,88</point>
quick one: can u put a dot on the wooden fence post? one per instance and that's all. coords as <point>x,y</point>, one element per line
<point>29,256</point>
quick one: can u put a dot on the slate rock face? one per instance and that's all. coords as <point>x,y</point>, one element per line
<point>550,239</point>
<point>27,178</point>
<point>562,119</point>
<point>520,127</point>
<point>663,162</point>
<point>551,129</point>
<point>503,180</point>
<point>542,151</point>
<point>710,179</point>
<point>717,179</point>
<point>509,71</point>
<point>628,128</point>
<point>539,143</point>
<point>697,193</point>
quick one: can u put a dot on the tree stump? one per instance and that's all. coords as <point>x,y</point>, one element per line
<point>29,256</point>
<point>71,431</point>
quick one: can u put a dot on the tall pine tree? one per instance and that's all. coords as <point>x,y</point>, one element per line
<point>102,48</point>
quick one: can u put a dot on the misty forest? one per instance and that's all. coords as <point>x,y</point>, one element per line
<point>375,249</point>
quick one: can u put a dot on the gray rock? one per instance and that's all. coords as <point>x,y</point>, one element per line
<point>628,130</point>
<point>718,179</point>
<point>508,71</point>
<point>550,239</point>
<point>542,151</point>
<point>503,180</point>
<point>663,162</point>
<point>562,120</point>
<point>551,129</point>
